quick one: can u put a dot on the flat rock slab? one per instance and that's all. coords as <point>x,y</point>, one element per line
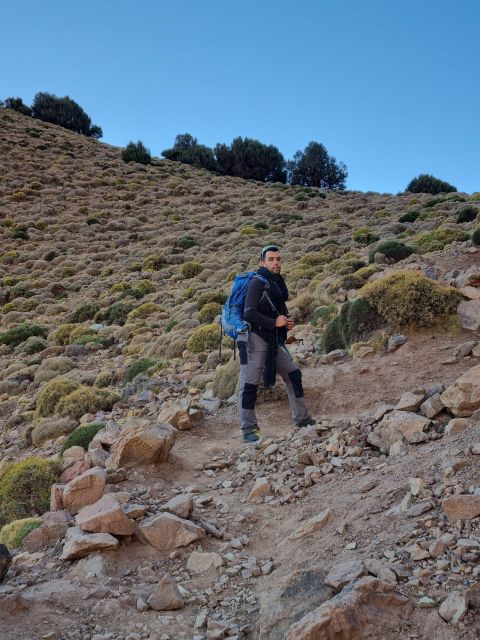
<point>344,572</point>
<point>167,531</point>
<point>166,596</point>
<point>313,524</point>
<point>85,489</point>
<point>142,443</point>
<point>463,396</point>
<point>462,507</point>
<point>105,516</point>
<point>370,604</point>
<point>201,562</point>
<point>79,544</point>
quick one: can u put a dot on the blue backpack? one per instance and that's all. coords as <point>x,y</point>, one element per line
<point>232,320</point>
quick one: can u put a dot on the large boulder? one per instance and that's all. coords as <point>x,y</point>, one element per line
<point>105,516</point>
<point>79,544</point>
<point>142,443</point>
<point>366,606</point>
<point>167,531</point>
<point>462,397</point>
<point>398,426</point>
<point>85,489</point>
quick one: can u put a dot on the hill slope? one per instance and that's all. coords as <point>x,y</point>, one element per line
<point>112,261</point>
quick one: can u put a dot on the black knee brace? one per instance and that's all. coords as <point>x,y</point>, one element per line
<point>296,380</point>
<point>249,396</point>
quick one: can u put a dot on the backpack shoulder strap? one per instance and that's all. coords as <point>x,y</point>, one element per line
<point>265,291</point>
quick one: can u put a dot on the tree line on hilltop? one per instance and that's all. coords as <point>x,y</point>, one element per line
<point>244,157</point>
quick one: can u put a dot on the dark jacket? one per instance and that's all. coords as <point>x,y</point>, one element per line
<point>258,310</point>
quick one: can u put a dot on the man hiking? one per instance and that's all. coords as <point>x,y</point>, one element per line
<point>262,350</point>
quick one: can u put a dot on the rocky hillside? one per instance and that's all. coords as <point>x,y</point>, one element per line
<point>130,507</point>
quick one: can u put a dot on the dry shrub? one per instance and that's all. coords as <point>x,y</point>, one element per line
<point>410,298</point>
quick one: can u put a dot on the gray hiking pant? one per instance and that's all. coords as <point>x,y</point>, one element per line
<point>252,350</point>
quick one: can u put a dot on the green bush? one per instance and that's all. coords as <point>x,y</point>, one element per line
<point>19,233</point>
<point>426,183</point>
<point>82,436</point>
<point>410,298</point>
<point>114,314</point>
<point>86,400</point>
<point>324,314</point>
<point>476,236</point>
<point>466,214</point>
<point>15,336</point>
<point>410,216</point>
<point>186,242</point>
<point>25,488</point>
<point>437,239</point>
<point>142,365</point>
<point>154,262</point>
<point>211,296</point>
<point>365,236</point>
<point>191,269</point>
<point>84,312</point>
<point>146,286</point>
<point>51,394</point>
<point>205,337</point>
<point>393,249</point>
<point>12,535</point>
<point>136,152</point>
<point>355,321</point>
<point>225,379</point>
<point>144,310</point>
<point>209,312</point>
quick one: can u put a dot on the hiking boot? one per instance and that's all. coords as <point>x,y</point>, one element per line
<point>308,422</point>
<point>253,436</point>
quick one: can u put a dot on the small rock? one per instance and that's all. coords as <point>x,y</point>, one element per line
<point>313,524</point>
<point>260,489</point>
<point>454,607</point>
<point>167,531</point>
<point>181,506</point>
<point>344,572</point>
<point>166,596</point>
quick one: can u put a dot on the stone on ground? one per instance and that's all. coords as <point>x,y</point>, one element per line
<point>344,572</point>
<point>200,562</point>
<point>167,531</point>
<point>462,507</point>
<point>87,488</point>
<point>363,608</point>
<point>142,443</point>
<point>166,596</point>
<point>181,506</point>
<point>105,516</point>
<point>397,426</point>
<point>454,607</point>
<point>313,524</point>
<point>260,489</point>
<point>462,397</point>
<point>79,544</point>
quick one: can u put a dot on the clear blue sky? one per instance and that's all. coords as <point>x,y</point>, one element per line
<point>391,87</point>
